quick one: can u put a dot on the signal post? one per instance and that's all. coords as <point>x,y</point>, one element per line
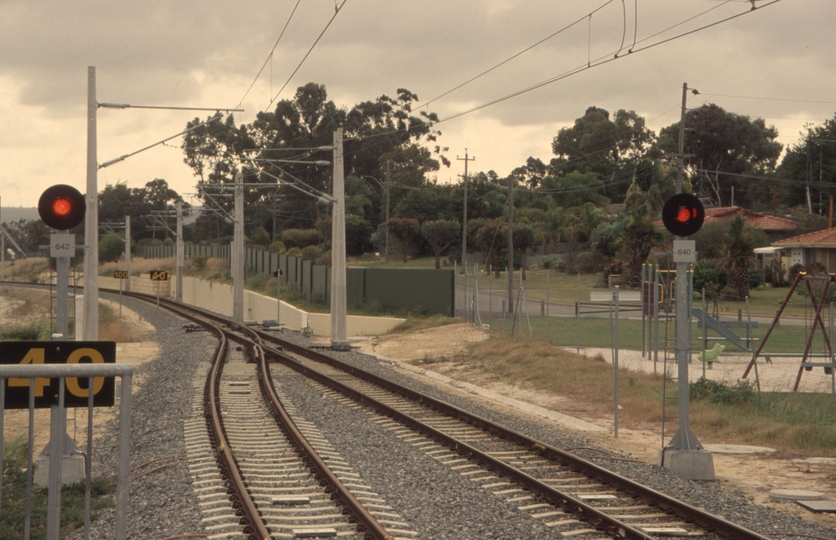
<point>61,207</point>
<point>684,456</point>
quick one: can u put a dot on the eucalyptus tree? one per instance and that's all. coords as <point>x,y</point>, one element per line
<point>292,141</point>
<point>811,164</point>
<point>603,146</point>
<point>722,145</point>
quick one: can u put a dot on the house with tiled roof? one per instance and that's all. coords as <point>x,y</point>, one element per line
<point>776,227</point>
<point>817,246</point>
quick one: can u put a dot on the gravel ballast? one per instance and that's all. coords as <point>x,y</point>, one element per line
<point>426,493</point>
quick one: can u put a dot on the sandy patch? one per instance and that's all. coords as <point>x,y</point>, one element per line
<point>16,422</point>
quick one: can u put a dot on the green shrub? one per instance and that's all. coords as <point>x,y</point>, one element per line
<point>311,253</point>
<point>198,262</point>
<point>721,393</point>
<point>755,278</point>
<point>111,248</point>
<point>22,333</point>
<point>300,237</point>
<point>72,498</point>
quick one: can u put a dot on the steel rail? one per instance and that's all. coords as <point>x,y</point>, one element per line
<point>241,499</point>
<point>712,523</point>
<point>578,508</point>
<point>244,504</point>
<point>704,519</point>
<point>367,523</point>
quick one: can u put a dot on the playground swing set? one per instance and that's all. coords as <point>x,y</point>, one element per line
<point>827,360</point>
<point>658,280</point>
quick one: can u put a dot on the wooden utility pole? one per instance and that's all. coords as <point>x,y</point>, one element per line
<point>388,188</point>
<point>510,244</point>
<point>464,217</point>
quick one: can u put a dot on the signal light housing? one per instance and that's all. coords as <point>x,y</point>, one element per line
<point>683,214</point>
<point>62,207</point>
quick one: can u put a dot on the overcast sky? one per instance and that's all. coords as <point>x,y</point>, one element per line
<point>777,62</point>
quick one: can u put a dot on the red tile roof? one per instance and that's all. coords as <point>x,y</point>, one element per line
<point>823,238</point>
<point>765,222</point>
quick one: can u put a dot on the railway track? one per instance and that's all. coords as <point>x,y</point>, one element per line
<point>262,470</point>
<point>571,495</point>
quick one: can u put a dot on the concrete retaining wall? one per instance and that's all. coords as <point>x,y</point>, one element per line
<point>141,284</point>
<point>217,297</point>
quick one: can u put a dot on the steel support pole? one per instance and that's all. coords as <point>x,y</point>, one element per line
<point>124,464</point>
<point>388,188</point>
<point>615,364</point>
<point>128,252</point>
<point>62,290</point>
<point>181,255</point>
<point>238,252</point>
<point>57,429</point>
<point>684,439</point>
<point>91,218</point>
<point>338,279</point>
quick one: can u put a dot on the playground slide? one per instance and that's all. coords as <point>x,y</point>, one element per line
<point>720,328</point>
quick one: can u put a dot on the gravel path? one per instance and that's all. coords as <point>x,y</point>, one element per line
<point>163,504</point>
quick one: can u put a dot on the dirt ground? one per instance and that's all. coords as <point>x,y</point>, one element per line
<point>751,475</point>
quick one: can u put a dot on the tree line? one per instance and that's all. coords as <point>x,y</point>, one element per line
<point>392,155</point>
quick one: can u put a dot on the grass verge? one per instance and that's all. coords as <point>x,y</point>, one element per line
<point>793,423</point>
<point>14,498</point>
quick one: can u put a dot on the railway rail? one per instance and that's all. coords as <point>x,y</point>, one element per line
<point>575,496</point>
<point>289,482</point>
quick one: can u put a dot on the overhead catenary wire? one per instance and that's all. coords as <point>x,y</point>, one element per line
<point>602,60</point>
<point>337,10</point>
<point>516,55</point>
<point>269,56</point>
<point>605,59</point>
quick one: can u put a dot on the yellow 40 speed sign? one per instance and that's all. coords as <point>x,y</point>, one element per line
<point>59,352</point>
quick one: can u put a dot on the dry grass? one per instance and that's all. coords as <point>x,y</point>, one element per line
<point>138,266</point>
<point>117,331</point>
<point>26,304</point>
<point>31,270</point>
<point>587,382</point>
<point>794,423</point>
<point>414,324</point>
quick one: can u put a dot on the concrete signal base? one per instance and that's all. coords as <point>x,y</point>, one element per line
<point>72,470</point>
<point>688,464</point>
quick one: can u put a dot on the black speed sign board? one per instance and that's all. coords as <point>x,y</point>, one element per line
<point>58,352</point>
<point>159,275</point>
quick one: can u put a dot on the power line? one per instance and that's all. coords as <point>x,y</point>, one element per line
<point>337,10</point>
<point>601,61</point>
<point>269,56</point>
<point>771,99</point>
<point>567,27</point>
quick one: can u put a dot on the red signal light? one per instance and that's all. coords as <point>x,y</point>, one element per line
<point>683,214</point>
<point>62,207</point>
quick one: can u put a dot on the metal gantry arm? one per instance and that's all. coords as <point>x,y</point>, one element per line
<point>218,210</point>
<point>12,240</point>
